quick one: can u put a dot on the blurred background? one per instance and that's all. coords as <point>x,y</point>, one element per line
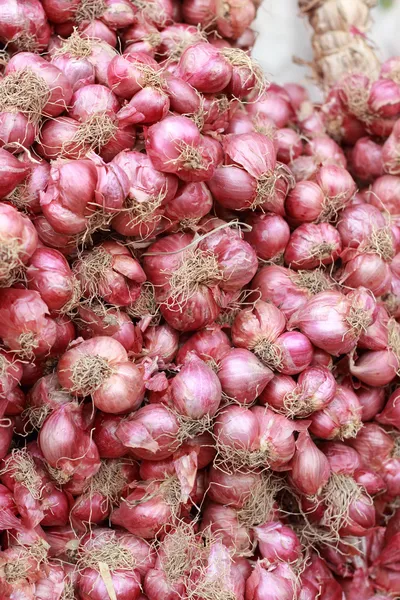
<point>282,34</point>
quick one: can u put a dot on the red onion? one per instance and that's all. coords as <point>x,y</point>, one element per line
<point>62,452</point>
<point>64,204</point>
<point>129,73</point>
<point>289,145</point>
<point>218,573</point>
<point>25,196</point>
<point>26,328</point>
<point>150,432</point>
<point>195,390</point>
<point>346,315</point>
<point>205,67</point>
<point>224,524</point>
<point>384,98</point>
<point>289,290</point>
<point>149,507</point>
<point>358,224</point>
<point>19,241</point>
<point>277,542</point>
<point>45,84</point>
<point>303,168</point>
<point>127,559</point>
<point>12,172</point>
<point>326,151</point>
<point>313,245</point>
<point>45,395</point>
<point>368,160</point>
<point>50,275</point>
<point>376,368</point>
<point>110,272</point>
<point>390,415</point>
<point>384,194</point>
<point>99,321</point>
<point>24,25</point>
<point>210,344</point>
<point>371,399</point>
<point>276,582</point>
<point>374,445</point>
<point>16,130</point>
<point>184,99</point>
<point>48,236</point>
<point>310,469</point>
<point>317,578</point>
<point>372,482</point>
<point>6,435</point>
<point>275,104</point>
<point>100,367</point>
<point>175,145</point>
<point>243,377</point>
<point>368,268</point>
<point>192,202</point>
<point>105,438</point>
<point>341,419</point>
<point>315,389</point>
<point>277,390</point>
<point>250,175</point>
<point>269,235</point>
<point>147,106</point>
<point>281,351</point>
<point>232,489</point>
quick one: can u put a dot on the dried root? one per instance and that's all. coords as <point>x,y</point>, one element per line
<point>70,307</point>
<point>321,251</point>
<point>357,96</point>
<point>91,269</point>
<point>189,428</point>
<point>297,404</point>
<point>68,592</point>
<point>111,553</point>
<point>338,495</point>
<point>25,92</point>
<point>35,416</point>
<point>260,503</point>
<point>76,46</point>
<point>22,468</point>
<point>109,481</point>
<point>146,305</point>
<point>269,353</point>
<point>315,281</point>
<point>231,460</point>
<point>190,157</point>
<point>381,243</point>
<point>331,208</point>
<point>27,343</point>
<point>19,567</point>
<point>88,373</point>
<point>198,268</point>
<point>10,261</point>
<point>144,214</point>
<point>58,475</point>
<point>358,319</point>
<point>89,10</point>
<point>180,550</point>
<point>92,134</point>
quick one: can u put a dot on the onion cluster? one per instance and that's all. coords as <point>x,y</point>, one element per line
<point>199,304</point>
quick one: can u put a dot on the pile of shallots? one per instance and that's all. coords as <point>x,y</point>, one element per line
<point>199,294</point>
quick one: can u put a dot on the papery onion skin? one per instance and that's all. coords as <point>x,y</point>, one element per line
<point>390,415</point>
<point>277,542</point>
<point>340,419</point>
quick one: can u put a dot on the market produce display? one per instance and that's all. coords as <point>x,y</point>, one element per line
<point>199,307</point>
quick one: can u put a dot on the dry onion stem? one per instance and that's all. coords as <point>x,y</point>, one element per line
<point>239,58</point>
